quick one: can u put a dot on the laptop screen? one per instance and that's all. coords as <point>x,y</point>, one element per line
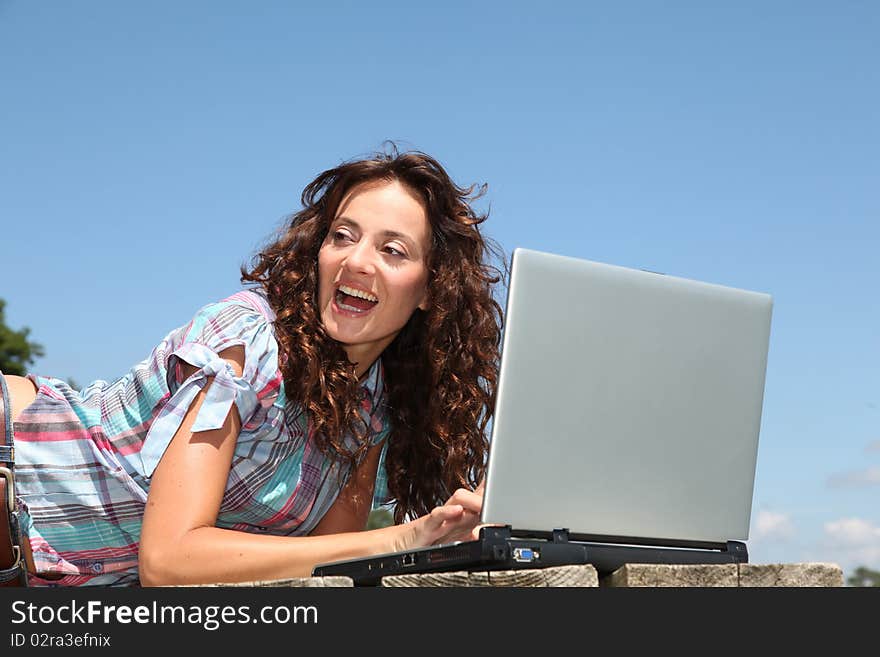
<point>629,403</point>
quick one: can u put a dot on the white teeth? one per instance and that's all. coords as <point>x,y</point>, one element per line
<point>358,293</point>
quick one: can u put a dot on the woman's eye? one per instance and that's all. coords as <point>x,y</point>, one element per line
<point>392,251</point>
<point>340,236</point>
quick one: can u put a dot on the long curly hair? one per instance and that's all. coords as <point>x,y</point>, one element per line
<point>441,370</point>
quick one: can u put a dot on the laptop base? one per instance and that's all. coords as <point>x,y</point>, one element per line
<point>498,549</point>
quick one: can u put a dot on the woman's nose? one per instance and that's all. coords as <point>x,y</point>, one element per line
<point>360,258</point>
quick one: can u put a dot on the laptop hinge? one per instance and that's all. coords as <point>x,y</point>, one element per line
<point>739,550</point>
<point>495,533</point>
<point>560,536</point>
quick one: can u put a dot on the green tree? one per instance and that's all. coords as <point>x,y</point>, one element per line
<point>16,351</point>
<point>863,576</point>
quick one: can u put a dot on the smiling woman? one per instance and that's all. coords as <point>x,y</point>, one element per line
<point>373,270</point>
<point>358,370</point>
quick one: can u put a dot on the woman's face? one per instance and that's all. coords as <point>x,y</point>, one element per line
<point>372,268</point>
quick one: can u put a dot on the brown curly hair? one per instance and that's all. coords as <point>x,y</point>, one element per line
<point>441,370</point>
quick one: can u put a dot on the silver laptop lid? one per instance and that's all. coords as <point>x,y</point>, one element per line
<point>629,403</point>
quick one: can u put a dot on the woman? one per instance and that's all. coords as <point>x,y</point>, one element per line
<point>254,440</point>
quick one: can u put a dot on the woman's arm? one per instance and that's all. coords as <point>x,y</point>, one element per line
<point>181,545</point>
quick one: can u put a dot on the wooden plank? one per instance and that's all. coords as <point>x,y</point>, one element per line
<point>667,575</point>
<point>557,576</point>
<point>794,574</point>
<point>745,575</point>
<point>295,582</point>
<point>427,579</point>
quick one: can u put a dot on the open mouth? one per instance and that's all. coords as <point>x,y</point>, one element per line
<point>352,300</point>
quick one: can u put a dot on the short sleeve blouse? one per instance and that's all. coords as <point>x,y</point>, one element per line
<point>94,451</point>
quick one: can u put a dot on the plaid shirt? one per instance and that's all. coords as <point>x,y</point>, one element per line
<point>84,459</point>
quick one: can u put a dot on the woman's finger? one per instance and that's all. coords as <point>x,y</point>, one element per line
<point>470,500</point>
<point>459,529</point>
<point>442,515</point>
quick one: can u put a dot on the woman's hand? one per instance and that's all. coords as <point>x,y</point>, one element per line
<point>456,520</point>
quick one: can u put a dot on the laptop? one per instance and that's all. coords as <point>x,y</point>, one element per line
<point>626,424</point>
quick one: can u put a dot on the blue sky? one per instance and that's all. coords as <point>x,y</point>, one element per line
<point>147,150</point>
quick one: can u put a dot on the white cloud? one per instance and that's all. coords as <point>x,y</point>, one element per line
<point>873,447</point>
<point>849,542</point>
<point>856,478</point>
<point>853,542</point>
<point>853,531</point>
<point>770,525</point>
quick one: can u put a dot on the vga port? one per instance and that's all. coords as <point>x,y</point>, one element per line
<point>525,555</point>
